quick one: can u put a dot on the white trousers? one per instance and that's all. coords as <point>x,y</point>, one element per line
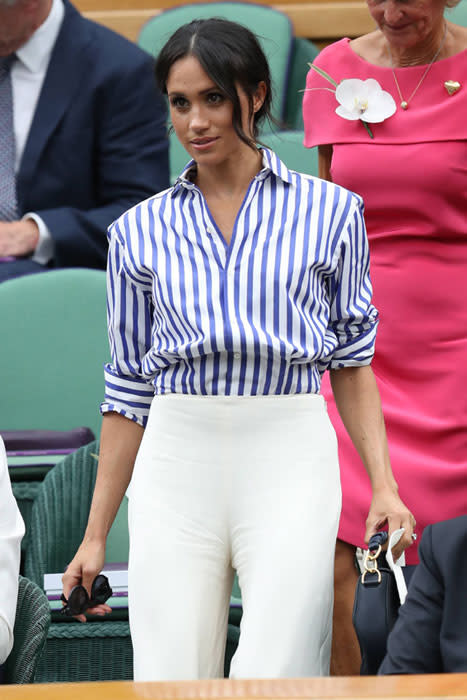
<point>224,483</point>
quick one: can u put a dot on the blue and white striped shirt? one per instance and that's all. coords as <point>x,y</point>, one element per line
<point>267,314</point>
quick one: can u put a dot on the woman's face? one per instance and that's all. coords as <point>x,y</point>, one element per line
<point>406,23</point>
<point>202,115</point>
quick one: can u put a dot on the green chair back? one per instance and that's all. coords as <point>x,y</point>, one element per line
<point>304,52</point>
<point>288,145</point>
<point>96,651</point>
<point>273,28</point>
<point>75,652</point>
<point>30,633</point>
<point>54,345</point>
<point>60,513</point>
<point>457,14</point>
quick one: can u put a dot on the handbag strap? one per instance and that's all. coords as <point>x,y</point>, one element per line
<point>372,575</point>
<point>396,566</point>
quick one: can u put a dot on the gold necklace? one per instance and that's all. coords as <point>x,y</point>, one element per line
<point>405,103</point>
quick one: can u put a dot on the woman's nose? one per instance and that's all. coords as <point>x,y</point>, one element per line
<point>392,12</point>
<point>198,119</point>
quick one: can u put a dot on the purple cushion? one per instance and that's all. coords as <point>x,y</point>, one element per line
<point>50,440</point>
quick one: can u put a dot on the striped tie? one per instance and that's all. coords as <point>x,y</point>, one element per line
<point>8,204</point>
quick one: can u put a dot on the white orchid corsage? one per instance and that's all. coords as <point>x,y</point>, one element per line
<point>360,99</point>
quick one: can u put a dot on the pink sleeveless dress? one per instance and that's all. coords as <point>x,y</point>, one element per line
<point>413,179</point>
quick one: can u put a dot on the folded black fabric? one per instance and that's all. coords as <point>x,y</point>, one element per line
<point>32,440</point>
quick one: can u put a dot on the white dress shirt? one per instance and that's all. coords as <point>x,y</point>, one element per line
<point>11,534</point>
<point>27,77</point>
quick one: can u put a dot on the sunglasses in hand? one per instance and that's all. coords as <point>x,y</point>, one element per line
<point>79,601</point>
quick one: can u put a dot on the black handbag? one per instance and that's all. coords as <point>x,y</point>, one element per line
<point>376,604</point>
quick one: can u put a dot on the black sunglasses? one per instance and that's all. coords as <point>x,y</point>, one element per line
<point>79,601</point>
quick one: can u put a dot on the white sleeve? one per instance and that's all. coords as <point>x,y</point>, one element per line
<point>45,247</point>
<point>11,534</point>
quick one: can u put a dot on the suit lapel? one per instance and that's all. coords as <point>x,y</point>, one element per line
<point>67,67</point>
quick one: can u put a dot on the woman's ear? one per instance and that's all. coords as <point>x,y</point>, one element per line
<point>259,96</point>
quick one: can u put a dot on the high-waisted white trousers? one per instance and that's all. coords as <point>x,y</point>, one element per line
<point>222,483</point>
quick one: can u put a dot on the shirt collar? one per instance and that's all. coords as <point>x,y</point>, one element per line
<point>35,53</point>
<point>271,165</point>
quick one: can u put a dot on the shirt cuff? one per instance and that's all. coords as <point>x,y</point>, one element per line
<point>45,248</point>
<point>358,352</point>
<point>130,396</point>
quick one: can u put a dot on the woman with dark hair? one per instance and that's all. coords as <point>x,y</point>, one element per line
<point>229,295</point>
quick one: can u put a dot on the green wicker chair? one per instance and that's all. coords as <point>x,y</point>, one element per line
<point>30,632</point>
<point>60,513</point>
<point>233,636</point>
<point>59,519</point>
<point>99,650</point>
<point>96,651</point>
<point>25,493</point>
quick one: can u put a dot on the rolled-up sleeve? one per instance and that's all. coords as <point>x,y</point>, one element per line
<point>129,315</point>
<point>353,318</point>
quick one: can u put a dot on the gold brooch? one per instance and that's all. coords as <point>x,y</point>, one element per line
<point>452,86</point>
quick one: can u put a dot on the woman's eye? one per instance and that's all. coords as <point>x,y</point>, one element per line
<point>179,102</point>
<point>215,98</point>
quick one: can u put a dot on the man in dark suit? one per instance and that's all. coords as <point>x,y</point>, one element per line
<point>430,635</point>
<point>89,135</point>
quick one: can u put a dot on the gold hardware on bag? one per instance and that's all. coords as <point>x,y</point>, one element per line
<point>371,564</point>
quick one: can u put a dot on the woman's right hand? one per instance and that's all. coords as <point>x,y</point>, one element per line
<point>87,563</point>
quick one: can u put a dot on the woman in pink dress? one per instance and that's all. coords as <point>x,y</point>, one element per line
<point>410,166</point>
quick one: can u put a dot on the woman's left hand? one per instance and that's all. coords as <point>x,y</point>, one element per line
<point>388,509</point>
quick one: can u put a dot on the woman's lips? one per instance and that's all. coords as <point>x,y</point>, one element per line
<point>396,29</point>
<point>204,143</point>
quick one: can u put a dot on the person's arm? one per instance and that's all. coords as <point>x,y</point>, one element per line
<point>414,643</point>
<point>353,322</point>
<point>359,405</point>
<point>324,162</point>
<point>120,440</point>
<point>128,397</point>
<point>123,160</point>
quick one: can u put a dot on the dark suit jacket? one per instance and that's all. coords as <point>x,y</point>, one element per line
<point>97,144</point>
<point>430,635</point>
